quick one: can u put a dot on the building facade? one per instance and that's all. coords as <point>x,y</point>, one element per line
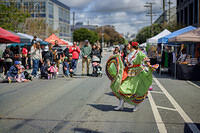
<point>55,13</point>
<point>188,12</point>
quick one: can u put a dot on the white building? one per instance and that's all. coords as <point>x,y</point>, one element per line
<point>56,14</point>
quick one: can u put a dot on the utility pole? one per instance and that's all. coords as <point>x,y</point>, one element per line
<point>169,3</point>
<point>102,34</point>
<point>73,21</point>
<point>164,14</point>
<point>150,13</point>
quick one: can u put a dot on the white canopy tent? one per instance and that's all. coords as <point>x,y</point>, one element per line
<point>29,36</point>
<point>68,42</point>
<point>143,45</point>
<point>154,40</point>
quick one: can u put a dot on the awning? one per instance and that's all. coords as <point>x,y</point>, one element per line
<point>65,42</point>
<point>154,40</point>
<point>164,40</point>
<point>23,39</point>
<point>191,36</point>
<point>8,37</point>
<point>51,39</point>
<point>143,45</point>
<point>29,36</point>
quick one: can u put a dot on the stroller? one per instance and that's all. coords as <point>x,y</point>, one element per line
<point>44,71</point>
<point>97,69</point>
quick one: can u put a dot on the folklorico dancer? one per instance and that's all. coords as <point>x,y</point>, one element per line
<point>131,83</point>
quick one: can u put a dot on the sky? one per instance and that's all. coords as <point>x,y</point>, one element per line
<point>125,15</point>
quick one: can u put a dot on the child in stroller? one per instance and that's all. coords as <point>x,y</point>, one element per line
<point>97,69</point>
<point>96,60</point>
<point>44,69</point>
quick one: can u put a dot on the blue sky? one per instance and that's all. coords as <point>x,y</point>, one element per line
<point>125,15</point>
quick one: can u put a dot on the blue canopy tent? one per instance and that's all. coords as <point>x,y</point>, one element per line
<point>28,44</point>
<point>44,43</point>
<point>164,40</point>
<point>19,44</point>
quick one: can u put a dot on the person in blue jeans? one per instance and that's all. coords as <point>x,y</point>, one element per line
<point>68,68</point>
<point>74,64</point>
<point>36,53</point>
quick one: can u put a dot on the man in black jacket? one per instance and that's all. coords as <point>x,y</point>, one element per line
<point>47,55</point>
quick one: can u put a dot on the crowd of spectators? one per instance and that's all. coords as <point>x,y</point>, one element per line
<point>36,61</point>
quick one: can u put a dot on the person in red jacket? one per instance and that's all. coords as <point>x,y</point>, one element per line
<point>75,51</point>
<point>24,56</point>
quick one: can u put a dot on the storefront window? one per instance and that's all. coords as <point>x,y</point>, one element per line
<point>61,14</point>
<point>50,23</point>
<point>43,6</point>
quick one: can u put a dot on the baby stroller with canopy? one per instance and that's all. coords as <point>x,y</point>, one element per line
<point>97,69</point>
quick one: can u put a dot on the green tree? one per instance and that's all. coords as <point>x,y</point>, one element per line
<point>85,34</point>
<point>110,35</point>
<point>173,26</point>
<point>150,31</point>
<point>11,17</point>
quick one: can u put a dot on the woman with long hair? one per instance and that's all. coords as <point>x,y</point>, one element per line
<point>131,83</point>
<point>36,54</point>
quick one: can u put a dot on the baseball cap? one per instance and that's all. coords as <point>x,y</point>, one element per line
<point>17,62</point>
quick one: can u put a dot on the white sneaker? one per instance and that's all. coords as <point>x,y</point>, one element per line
<point>120,106</point>
<point>135,108</point>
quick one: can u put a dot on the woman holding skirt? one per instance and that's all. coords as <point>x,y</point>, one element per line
<point>131,83</point>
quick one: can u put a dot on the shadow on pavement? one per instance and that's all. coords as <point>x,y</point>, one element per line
<point>84,130</point>
<point>20,125</point>
<point>109,94</point>
<point>107,108</point>
<point>59,126</point>
<point>187,128</point>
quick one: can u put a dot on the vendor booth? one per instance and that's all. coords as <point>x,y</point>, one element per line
<point>153,51</point>
<point>190,68</point>
<point>191,36</point>
<point>143,45</point>
<point>154,40</point>
<point>8,37</point>
<point>29,36</point>
<point>165,41</point>
<point>51,39</point>
<point>23,39</point>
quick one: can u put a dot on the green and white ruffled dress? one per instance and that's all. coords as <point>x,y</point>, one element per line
<point>134,88</point>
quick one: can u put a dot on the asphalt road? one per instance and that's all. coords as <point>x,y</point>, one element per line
<point>85,105</point>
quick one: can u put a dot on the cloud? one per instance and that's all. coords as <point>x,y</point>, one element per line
<point>125,15</point>
<point>79,4</point>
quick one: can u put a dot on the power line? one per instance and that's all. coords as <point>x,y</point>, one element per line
<point>150,13</point>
